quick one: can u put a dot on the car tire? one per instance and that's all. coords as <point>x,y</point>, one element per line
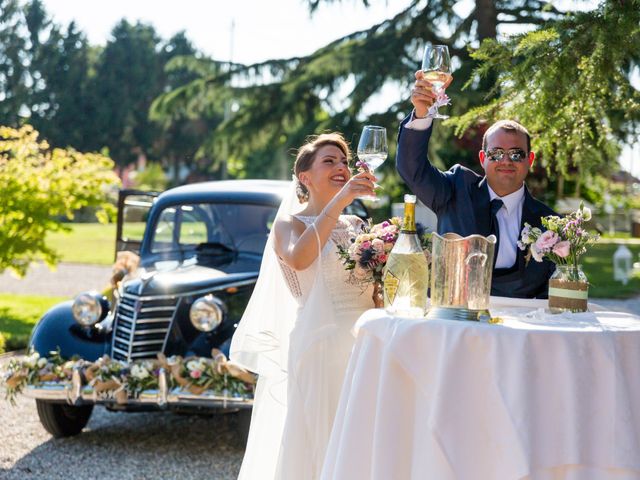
<point>241,424</point>
<point>62,420</point>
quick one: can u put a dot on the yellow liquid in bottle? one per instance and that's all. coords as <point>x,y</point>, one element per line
<point>406,280</point>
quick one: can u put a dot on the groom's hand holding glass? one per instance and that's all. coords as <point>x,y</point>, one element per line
<point>424,94</point>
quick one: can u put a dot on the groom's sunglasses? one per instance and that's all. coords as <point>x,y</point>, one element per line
<point>515,155</point>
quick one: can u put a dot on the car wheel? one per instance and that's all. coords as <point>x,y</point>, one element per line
<point>62,420</point>
<point>241,424</point>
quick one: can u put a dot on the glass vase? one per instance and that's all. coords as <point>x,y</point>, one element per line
<point>568,289</point>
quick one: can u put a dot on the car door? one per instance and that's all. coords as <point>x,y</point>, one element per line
<point>133,211</point>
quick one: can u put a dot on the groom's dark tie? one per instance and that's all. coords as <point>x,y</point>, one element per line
<point>496,204</point>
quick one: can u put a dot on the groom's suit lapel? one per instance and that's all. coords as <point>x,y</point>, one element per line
<point>481,207</point>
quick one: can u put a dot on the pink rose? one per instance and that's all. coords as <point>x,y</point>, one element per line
<point>365,245</point>
<point>562,249</point>
<point>546,241</point>
<point>195,374</point>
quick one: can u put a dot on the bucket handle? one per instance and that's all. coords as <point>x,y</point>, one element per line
<point>473,255</point>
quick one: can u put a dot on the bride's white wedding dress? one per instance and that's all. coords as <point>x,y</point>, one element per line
<point>319,349</point>
<point>295,406</point>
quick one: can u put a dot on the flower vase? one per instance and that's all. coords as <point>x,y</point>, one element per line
<point>568,289</point>
<point>378,299</point>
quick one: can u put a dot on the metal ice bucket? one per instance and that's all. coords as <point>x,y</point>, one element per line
<point>461,269</point>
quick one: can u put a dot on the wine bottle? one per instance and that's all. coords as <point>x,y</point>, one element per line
<point>406,274</point>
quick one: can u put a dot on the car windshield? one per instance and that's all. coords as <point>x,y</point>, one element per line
<point>209,227</point>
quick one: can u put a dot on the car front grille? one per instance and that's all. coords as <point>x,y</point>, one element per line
<point>142,325</point>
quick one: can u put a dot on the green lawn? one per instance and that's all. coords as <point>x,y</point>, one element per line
<point>598,266</point>
<point>87,243</point>
<point>18,314</point>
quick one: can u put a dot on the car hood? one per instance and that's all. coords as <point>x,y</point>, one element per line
<point>171,278</point>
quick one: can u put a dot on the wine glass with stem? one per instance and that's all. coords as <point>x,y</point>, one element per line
<point>436,66</point>
<point>372,150</point>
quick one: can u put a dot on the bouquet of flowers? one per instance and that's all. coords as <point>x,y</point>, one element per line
<point>198,374</point>
<point>367,255</point>
<point>143,375</point>
<point>564,241</point>
<point>34,370</point>
<point>368,252</point>
<point>108,378</point>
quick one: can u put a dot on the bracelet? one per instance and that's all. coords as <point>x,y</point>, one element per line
<point>324,212</point>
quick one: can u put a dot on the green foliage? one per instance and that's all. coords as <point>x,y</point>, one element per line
<point>3,342</point>
<point>282,101</point>
<point>39,187</point>
<point>598,266</point>
<point>568,82</point>
<point>92,243</point>
<point>93,98</point>
<point>151,178</point>
<point>13,71</point>
<point>18,315</point>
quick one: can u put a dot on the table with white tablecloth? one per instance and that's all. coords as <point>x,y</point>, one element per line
<point>536,396</point>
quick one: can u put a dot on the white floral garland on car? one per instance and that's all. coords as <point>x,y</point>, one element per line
<point>119,380</point>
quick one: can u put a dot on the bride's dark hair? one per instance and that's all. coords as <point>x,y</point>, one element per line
<point>307,154</point>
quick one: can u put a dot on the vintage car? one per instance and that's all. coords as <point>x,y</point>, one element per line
<point>200,248</point>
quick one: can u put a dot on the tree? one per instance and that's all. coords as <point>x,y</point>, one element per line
<point>40,186</point>
<point>128,77</point>
<point>282,101</point>
<point>59,64</point>
<point>181,133</point>
<point>569,82</point>
<point>13,70</point>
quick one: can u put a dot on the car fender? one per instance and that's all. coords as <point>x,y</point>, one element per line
<point>57,329</point>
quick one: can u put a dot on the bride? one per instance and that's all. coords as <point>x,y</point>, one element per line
<point>296,330</point>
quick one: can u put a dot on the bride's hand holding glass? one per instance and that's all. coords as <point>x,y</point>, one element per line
<point>372,151</point>
<point>361,184</point>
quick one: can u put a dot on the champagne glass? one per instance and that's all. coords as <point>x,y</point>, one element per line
<point>372,149</point>
<point>436,66</point>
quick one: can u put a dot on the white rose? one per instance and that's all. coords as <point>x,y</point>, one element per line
<point>139,372</point>
<point>42,362</point>
<point>32,360</point>
<point>537,256</point>
<point>192,365</point>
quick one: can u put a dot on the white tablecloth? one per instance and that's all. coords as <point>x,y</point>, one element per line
<point>539,396</point>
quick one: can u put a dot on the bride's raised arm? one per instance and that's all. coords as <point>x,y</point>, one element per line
<point>297,244</point>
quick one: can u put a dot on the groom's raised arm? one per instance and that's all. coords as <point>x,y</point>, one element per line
<point>433,187</point>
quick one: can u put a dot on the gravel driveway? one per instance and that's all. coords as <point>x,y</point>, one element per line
<point>119,446</point>
<point>68,279</point>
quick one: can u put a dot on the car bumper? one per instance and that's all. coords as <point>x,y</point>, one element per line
<point>75,393</point>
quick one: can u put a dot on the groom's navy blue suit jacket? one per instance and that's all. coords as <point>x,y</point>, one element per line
<point>460,199</point>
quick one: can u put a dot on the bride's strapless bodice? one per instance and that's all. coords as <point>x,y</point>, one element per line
<point>347,298</point>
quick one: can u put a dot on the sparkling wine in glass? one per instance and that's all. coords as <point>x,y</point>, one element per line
<point>372,149</point>
<point>436,66</point>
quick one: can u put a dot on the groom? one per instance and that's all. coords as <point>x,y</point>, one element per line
<point>467,203</point>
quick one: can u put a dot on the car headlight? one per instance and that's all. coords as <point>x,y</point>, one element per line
<point>89,308</point>
<point>206,313</point>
